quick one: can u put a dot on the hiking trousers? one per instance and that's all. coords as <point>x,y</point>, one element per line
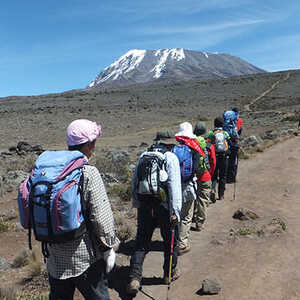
<point>185,223</point>
<point>202,200</point>
<point>150,216</point>
<point>92,284</point>
<point>220,175</point>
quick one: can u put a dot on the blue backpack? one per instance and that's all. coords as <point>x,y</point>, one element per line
<point>50,199</point>
<point>230,120</point>
<point>185,157</point>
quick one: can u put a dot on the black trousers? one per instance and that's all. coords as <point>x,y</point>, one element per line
<point>92,284</point>
<point>219,175</point>
<point>150,216</point>
<point>232,165</point>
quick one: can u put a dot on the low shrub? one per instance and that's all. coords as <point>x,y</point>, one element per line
<point>4,226</point>
<point>22,259</point>
<point>123,191</point>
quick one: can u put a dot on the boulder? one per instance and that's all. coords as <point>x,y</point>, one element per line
<point>210,286</point>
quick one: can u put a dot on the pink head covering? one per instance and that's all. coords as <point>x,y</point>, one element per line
<point>82,131</point>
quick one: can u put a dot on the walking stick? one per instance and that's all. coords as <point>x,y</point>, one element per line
<point>170,266</point>
<point>234,186</point>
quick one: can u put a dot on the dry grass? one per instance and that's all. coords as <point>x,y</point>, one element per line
<point>35,265</point>
<point>22,259</point>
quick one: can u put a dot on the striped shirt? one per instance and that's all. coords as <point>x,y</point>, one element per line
<point>72,258</point>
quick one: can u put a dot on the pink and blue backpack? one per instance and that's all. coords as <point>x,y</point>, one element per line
<point>50,200</point>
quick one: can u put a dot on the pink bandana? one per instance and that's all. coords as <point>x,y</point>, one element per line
<point>82,131</point>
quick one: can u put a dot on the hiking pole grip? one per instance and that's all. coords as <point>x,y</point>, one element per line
<point>171,255</point>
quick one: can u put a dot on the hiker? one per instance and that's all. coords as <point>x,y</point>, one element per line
<point>82,262</point>
<point>156,193</point>
<point>230,125</point>
<point>239,122</point>
<point>188,151</point>
<point>204,175</point>
<point>220,138</point>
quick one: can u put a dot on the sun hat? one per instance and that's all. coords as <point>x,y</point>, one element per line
<point>163,135</point>
<point>200,128</point>
<point>81,131</point>
<point>186,129</point>
<point>219,122</point>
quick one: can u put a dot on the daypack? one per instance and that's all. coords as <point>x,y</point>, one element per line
<point>204,160</point>
<point>50,199</point>
<point>185,157</point>
<point>220,141</point>
<point>230,121</point>
<point>151,173</point>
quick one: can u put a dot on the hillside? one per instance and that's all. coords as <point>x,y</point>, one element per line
<point>136,109</point>
<point>249,258</point>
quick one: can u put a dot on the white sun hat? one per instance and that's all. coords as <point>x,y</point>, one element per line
<point>186,129</point>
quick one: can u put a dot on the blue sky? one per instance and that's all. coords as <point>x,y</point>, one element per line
<point>52,46</point>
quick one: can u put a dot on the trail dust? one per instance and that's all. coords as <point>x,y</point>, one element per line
<point>253,266</point>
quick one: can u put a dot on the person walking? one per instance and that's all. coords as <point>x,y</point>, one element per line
<point>188,151</point>
<point>230,125</point>
<point>84,263</point>
<point>161,210</point>
<point>204,176</point>
<point>220,138</point>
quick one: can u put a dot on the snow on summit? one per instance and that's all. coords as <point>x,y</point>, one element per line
<point>142,66</point>
<point>177,54</point>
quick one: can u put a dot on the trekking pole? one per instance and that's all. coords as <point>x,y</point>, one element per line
<point>234,185</point>
<point>170,266</point>
<point>234,190</point>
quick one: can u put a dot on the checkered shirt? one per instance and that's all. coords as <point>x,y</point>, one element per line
<point>72,258</point>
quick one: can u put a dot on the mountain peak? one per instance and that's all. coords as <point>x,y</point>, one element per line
<point>142,66</point>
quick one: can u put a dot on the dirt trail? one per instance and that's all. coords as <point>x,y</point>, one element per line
<point>247,107</point>
<point>250,267</point>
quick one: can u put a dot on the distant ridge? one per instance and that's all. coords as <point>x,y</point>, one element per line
<point>145,66</point>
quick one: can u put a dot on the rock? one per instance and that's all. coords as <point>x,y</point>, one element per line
<point>210,286</point>
<point>4,265</point>
<point>245,214</point>
<point>251,141</point>
<point>23,147</point>
<point>143,145</point>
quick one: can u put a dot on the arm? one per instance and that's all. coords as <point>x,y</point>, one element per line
<point>212,159</point>
<point>134,183</point>
<point>99,210</point>
<point>174,184</point>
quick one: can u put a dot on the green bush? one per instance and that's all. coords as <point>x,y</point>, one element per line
<point>4,226</point>
<point>123,191</point>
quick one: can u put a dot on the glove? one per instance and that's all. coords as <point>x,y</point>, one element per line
<point>109,257</point>
<point>174,221</point>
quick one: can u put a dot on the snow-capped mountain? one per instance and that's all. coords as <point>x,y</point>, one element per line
<point>142,66</point>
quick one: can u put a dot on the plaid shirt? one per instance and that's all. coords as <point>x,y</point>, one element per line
<point>71,259</point>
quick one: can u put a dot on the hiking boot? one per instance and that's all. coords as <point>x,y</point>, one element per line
<point>198,227</point>
<point>133,287</point>
<point>184,250</point>
<point>212,197</point>
<point>176,275</point>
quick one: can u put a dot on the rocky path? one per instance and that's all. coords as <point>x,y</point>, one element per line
<point>261,267</point>
<point>247,107</point>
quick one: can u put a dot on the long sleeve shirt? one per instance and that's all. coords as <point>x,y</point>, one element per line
<point>72,258</point>
<point>174,202</point>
